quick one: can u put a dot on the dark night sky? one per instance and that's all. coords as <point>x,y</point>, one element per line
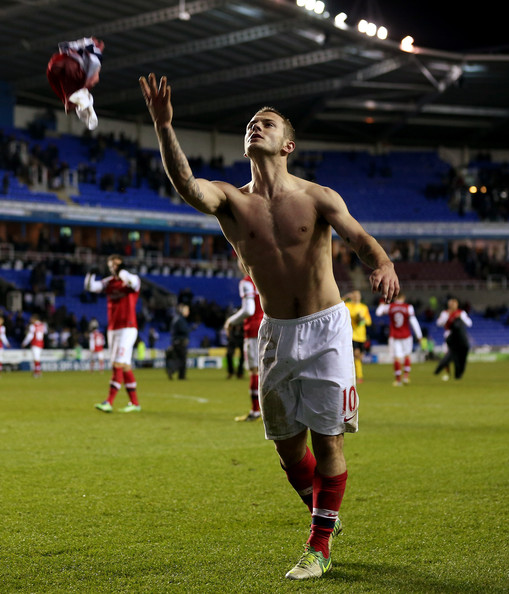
<point>433,24</point>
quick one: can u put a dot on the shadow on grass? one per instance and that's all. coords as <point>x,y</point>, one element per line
<point>379,577</point>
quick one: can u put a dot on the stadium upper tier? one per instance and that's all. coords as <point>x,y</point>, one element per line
<point>397,186</point>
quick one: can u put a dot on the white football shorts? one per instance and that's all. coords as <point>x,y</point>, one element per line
<point>399,348</point>
<point>121,343</point>
<point>36,352</point>
<point>307,374</point>
<point>251,352</point>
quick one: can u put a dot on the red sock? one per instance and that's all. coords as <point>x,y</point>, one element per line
<point>115,383</point>
<point>327,496</point>
<point>301,475</point>
<point>253,391</point>
<point>397,370</point>
<point>130,386</point>
<point>407,366</point>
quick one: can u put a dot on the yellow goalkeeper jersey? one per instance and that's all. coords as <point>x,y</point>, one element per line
<point>361,318</point>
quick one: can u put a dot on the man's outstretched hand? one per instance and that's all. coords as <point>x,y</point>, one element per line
<point>158,100</point>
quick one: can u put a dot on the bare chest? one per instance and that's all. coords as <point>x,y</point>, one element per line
<point>281,223</point>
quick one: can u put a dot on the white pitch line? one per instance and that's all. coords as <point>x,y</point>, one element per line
<point>186,397</point>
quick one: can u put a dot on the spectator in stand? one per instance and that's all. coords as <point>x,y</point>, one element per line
<point>250,316</point>
<point>359,313</point>
<point>455,321</point>
<point>153,337</point>
<point>96,344</point>
<point>122,289</point>
<point>402,321</point>
<point>35,338</point>
<point>4,342</point>
<point>5,184</point>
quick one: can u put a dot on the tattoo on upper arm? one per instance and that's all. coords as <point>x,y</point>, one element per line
<point>193,189</point>
<point>178,169</point>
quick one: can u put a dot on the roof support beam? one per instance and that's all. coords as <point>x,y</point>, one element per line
<point>281,93</point>
<point>100,29</point>
<point>240,72</point>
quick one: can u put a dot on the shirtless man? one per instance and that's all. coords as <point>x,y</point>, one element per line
<point>280,227</point>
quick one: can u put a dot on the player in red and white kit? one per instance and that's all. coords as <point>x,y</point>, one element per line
<point>72,72</point>
<point>96,344</point>
<point>35,338</point>
<point>122,289</point>
<point>3,342</point>
<point>250,315</point>
<point>402,321</point>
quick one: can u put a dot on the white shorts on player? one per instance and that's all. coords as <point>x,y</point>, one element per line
<point>121,343</point>
<point>307,374</point>
<point>97,356</point>
<point>399,348</point>
<point>36,352</point>
<point>251,352</point>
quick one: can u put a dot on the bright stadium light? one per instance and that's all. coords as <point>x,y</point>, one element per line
<point>407,44</point>
<point>319,7</point>
<point>301,3</point>
<point>340,20</point>
<point>382,33</point>
<point>362,26</point>
<point>371,30</point>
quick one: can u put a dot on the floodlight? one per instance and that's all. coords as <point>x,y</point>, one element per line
<point>339,20</point>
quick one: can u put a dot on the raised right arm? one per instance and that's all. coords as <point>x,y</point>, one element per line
<point>205,196</point>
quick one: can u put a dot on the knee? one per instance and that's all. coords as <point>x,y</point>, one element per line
<point>291,451</point>
<point>327,446</point>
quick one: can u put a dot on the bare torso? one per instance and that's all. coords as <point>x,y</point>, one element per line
<point>285,245</point>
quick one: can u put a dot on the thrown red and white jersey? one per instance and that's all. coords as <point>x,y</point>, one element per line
<point>247,289</point>
<point>401,319</point>
<point>35,335</point>
<point>96,341</point>
<point>122,301</point>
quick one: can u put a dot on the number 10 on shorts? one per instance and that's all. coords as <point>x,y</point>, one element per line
<point>350,400</point>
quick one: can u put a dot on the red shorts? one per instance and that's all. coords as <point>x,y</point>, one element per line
<point>65,76</point>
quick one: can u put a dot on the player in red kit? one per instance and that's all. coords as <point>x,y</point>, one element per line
<point>250,315</point>
<point>96,344</point>
<point>122,289</point>
<point>4,342</point>
<point>402,321</point>
<point>35,338</point>
<point>72,72</point>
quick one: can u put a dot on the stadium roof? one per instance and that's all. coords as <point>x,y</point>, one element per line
<point>224,60</point>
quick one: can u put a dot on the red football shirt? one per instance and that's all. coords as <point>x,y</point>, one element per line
<point>121,304</point>
<point>252,323</point>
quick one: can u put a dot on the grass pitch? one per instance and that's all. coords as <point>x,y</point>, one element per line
<point>180,498</point>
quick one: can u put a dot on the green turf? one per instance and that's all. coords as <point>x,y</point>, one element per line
<point>180,498</point>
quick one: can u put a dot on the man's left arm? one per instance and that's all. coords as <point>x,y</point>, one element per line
<point>247,310</point>
<point>383,279</point>
<point>130,280</point>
